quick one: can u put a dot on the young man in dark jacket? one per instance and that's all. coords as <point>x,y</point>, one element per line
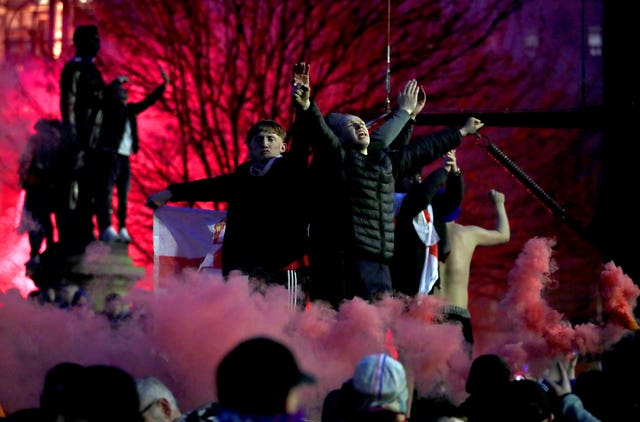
<point>266,231</point>
<point>359,178</point>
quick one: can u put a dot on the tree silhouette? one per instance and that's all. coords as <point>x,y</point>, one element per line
<point>230,64</point>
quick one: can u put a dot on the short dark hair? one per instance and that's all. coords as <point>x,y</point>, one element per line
<point>266,125</point>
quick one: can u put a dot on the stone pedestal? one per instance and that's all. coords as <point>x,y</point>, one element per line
<point>103,268</point>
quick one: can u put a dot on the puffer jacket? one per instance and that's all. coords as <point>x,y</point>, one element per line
<point>368,181</point>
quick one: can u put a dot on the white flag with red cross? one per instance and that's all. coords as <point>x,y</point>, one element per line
<point>187,238</point>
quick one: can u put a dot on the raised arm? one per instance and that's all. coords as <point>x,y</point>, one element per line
<point>300,139</point>
<point>309,127</point>
<point>393,126</point>
<point>502,220</point>
<point>301,85</point>
<point>214,189</point>
<point>152,97</point>
<point>449,200</point>
<point>501,233</point>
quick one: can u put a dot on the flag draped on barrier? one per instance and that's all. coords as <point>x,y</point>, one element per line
<point>186,238</point>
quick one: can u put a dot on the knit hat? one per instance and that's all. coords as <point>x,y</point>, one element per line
<point>336,122</point>
<point>255,377</point>
<point>383,382</point>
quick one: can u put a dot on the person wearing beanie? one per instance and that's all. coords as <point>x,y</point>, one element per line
<point>355,174</point>
<point>377,391</point>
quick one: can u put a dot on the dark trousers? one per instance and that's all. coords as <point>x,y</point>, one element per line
<point>461,316</point>
<point>328,277</point>
<point>367,278</point>
<point>114,172</point>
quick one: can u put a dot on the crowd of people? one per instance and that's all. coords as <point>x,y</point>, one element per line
<point>259,380</point>
<point>334,161</point>
<point>393,232</point>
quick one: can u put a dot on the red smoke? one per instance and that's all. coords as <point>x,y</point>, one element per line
<point>181,331</point>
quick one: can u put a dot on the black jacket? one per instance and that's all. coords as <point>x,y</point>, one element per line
<point>366,183</point>
<point>266,215</point>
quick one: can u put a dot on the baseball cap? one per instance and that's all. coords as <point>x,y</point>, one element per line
<point>255,377</point>
<point>382,381</point>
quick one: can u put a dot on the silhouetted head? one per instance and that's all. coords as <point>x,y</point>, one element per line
<point>86,40</point>
<point>257,376</point>
<point>61,390</point>
<point>110,394</point>
<point>488,373</point>
<point>117,91</point>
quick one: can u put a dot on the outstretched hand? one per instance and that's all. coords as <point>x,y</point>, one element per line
<point>408,97</point>
<point>559,376</point>
<point>158,199</point>
<point>301,87</point>
<point>420,103</point>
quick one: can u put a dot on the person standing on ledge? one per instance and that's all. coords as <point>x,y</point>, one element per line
<point>118,141</point>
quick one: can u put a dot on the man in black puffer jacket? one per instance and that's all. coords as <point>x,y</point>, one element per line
<point>358,175</point>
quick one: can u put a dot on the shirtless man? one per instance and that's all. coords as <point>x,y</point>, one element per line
<point>454,272</point>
